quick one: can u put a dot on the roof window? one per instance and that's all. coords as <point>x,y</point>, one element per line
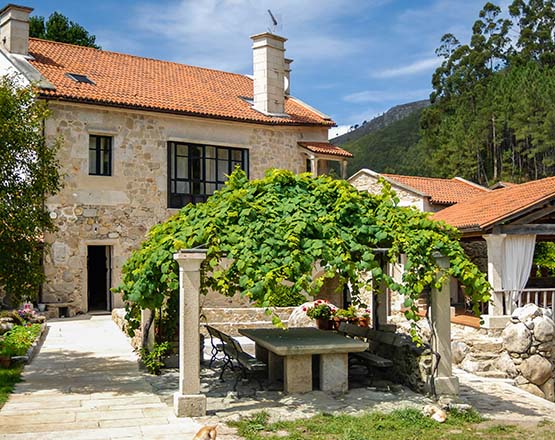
<point>80,78</point>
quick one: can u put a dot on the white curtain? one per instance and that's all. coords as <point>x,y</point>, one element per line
<point>519,254</point>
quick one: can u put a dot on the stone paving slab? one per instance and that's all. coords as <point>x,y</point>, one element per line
<point>85,384</point>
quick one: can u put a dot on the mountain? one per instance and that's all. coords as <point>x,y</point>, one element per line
<point>387,143</point>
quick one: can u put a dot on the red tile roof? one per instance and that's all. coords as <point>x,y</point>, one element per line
<point>485,210</point>
<point>325,148</point>
<point>130,81</point>
<point>440,191</point>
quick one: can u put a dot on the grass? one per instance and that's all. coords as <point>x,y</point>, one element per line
<point>407,424</point>
<point>8,378</point>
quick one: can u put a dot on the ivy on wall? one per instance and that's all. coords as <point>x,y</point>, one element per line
<point>273,231</point>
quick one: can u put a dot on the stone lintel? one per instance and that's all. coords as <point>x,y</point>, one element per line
<point>189,405</point>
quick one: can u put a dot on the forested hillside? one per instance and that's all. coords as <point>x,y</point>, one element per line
<point>493,106</point>
<point>392,149</point>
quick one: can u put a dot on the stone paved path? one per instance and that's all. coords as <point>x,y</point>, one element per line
<point>85,384</point>
<point>498,400</point>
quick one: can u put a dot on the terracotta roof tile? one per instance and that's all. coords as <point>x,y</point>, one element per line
<point>440,191</point>
<point>325,148</point>
<point>131,81</point>
<point>485,210</point>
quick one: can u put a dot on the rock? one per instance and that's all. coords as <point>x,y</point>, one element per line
<point>544,328</point>
<point>529,323</point>
<point>459,351</point>
<point>516,338</point>
<point>521,381</point>
<point>5,327</point>
<point>505,363</point>
<point>533,389</point>
<point>529,311</point>
<point>474,366</point>
<point>548,388</point>
<point>548,313</point>
<point>298,317</point>
<point>536,369</point>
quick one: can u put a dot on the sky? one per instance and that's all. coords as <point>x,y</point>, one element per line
<point>353,59</point>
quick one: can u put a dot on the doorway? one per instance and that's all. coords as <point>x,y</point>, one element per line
<point>99,278</point>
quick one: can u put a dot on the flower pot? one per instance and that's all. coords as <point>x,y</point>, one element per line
<point>41,307</point>
<point>5,361</point>
<point>364,322</point>
<point>325,324</point>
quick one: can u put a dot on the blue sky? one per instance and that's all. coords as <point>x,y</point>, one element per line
<point>353,59</point>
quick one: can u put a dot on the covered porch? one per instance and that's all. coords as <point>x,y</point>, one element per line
<point>503,227</point>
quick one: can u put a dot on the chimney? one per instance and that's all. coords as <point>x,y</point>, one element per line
<point>288,62</point>
<point>269,72</point>
<point>14,28</point>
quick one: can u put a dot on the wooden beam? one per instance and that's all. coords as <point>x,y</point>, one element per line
<point>535,215</point>
<point>537,229</point>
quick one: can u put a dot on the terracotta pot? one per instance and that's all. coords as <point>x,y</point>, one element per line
<point>325,324</point>
<point>364,322</point>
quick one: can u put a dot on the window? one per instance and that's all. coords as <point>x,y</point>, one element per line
<point>80,78</point>
<point>100,155</point>
<point>196,171</point>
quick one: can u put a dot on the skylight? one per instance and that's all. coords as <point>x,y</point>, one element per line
<point>80,78</point>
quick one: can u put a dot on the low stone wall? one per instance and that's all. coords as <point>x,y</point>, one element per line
<point>412,365</point>
<point>529,350</point>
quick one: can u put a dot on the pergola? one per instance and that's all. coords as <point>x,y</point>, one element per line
<point>510,220</point>
<point>190,402</point>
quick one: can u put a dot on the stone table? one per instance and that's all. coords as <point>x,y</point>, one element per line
<point>289,353</point>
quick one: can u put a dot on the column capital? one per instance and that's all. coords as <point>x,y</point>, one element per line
<point>189,261</point>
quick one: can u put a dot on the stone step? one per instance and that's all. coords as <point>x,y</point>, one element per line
<point>487,346</point>
<point>493,374</point>
<point>243,314</point>
<point>483,356</point>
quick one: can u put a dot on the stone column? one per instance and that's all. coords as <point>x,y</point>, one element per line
<point>440,322</point>
<point>380,305</point>
<point>496,257</point>
<point>188,401</point>
<point>343,169</point>
<point>314,165</point>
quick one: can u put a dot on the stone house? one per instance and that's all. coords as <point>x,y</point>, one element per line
<point>428,194</point>
<point>143,137</point>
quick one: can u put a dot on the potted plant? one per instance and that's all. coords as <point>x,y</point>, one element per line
<point>323,312</point>
<point>350,314</point>
<point>5,353</point>
<point>364,318</point>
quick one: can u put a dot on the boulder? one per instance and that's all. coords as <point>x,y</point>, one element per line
<point>505,364</point>
<point>533,389</point>
<point>516,338</point>
<point>459,351</point>
<point>548,388</point>
<point>536,369</point>
<point>529,311</point>
<point>298,316</point>
<point>544,328</point>
<point>548,313</point>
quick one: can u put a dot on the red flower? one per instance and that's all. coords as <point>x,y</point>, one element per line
<point>304,309</point>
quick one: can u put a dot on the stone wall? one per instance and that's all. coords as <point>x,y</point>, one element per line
<point>477,251</point>
<point>529,350</point>
<point>412,365</point>
<point>118,210</point>
<point>366,182</point>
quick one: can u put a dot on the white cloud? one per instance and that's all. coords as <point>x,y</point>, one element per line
<point>338,131</point>
<point>379,96</point>
<point>215,33</point>
<point>409,69</point>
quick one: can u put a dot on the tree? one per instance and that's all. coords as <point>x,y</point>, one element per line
<point>59,28</point>
<point>493,107</point>
<point>28,174</point>
<point>275,230</point>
